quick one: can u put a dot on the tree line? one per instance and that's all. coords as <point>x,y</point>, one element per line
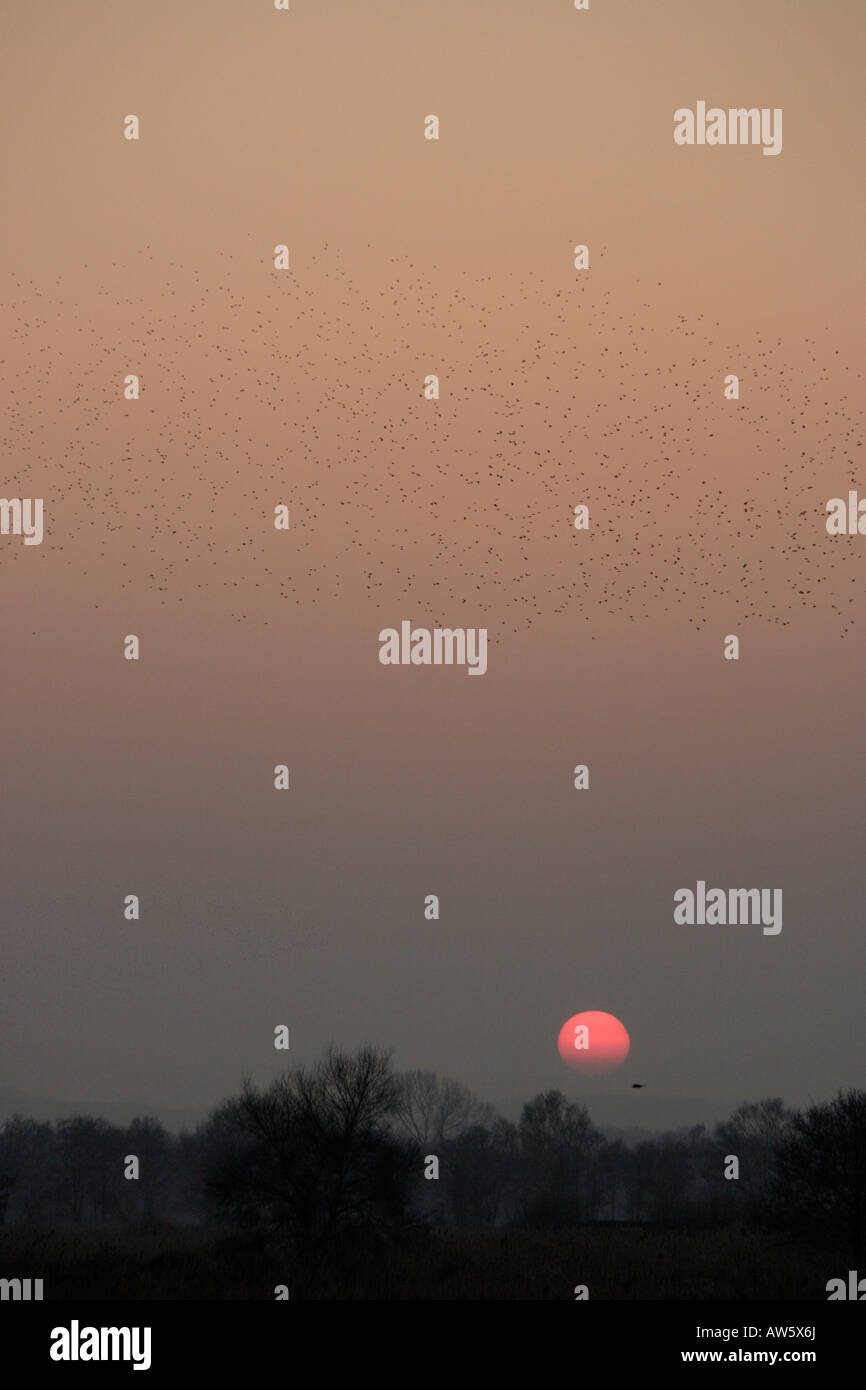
<point>343,1151</point>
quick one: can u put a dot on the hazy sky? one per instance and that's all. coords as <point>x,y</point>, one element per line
<point>258,647</point>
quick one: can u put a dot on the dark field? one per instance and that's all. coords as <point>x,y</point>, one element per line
<point>630,1263</point>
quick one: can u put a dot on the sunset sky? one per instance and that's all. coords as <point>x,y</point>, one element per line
<point>258,647</point>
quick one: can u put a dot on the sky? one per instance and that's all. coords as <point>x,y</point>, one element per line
<point>559,387</point>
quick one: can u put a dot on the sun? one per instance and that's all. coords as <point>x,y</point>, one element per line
<point>593,1043</point>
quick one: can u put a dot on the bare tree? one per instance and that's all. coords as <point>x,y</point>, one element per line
<point>559,1147</point>
<point>432,1110</point>
<point>312,1156</point>
<point>147,1139</point>
<point>820,1184</point>
<point>480,1168</point>
<point>89,1156</point>
<point>26,1169</point>
<point>753,1134</point>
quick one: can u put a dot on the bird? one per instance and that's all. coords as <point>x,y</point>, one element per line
<point>637,1085</point>
<point>307,388</point>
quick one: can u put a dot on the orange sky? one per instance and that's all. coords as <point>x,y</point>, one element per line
<point>558,387</point>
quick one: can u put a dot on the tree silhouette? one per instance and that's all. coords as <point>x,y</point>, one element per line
<point>480,1166</point>
<point>147,1139</point>
<point>88,1155</point>
<point>558,1150</point>
<point>753,1134</point>
<point>820,1182</point>
<point>431,1110</point>
<point>311,1157</point>
<point>26,1161</point>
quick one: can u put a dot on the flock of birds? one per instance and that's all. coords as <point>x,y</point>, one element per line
<point>303,387</point>
<point>260,388</point>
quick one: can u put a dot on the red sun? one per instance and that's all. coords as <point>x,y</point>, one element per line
<point>593,1043</point>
